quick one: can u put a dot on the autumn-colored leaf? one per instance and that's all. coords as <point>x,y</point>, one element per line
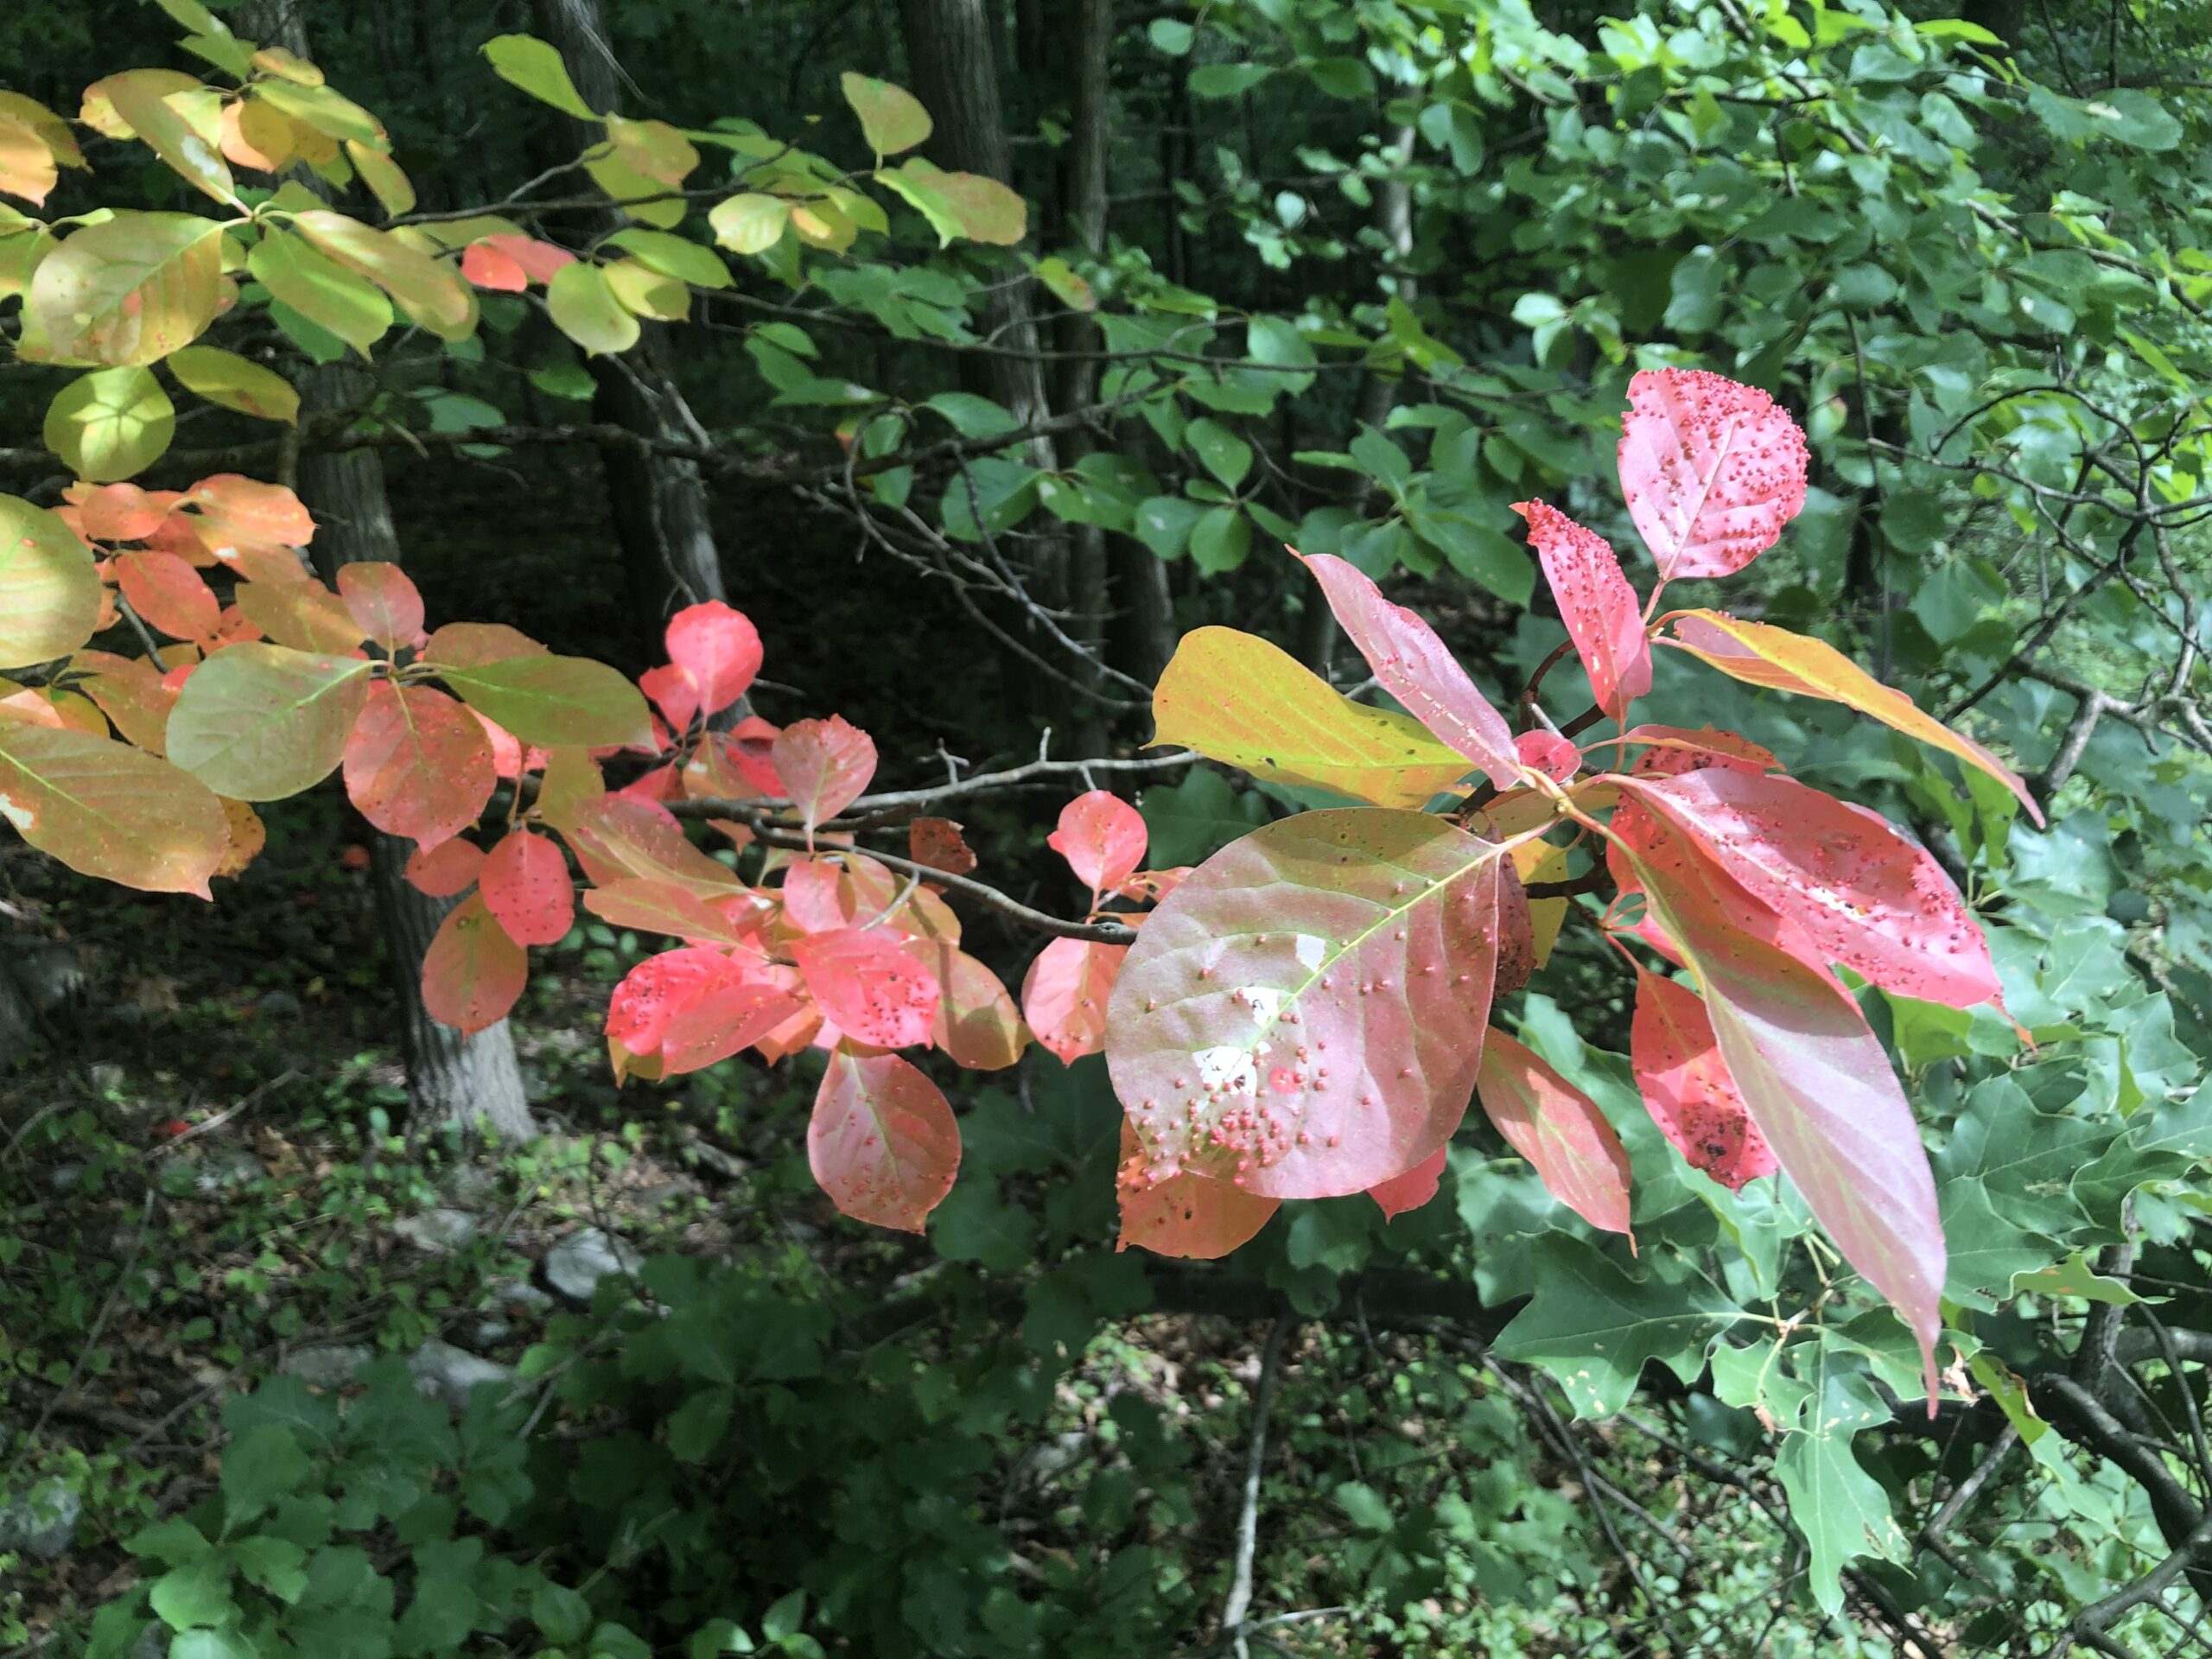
<point>729,1014</point>
<point>1711,469</point>
<point>526,885</point>
<point>1417,668</point>
<point>259,722</point>
<point>882,1142</point>
<point>169,593</point>
<point>1183,1215</point>
<point>873,991</point>
<point>416,764</point>
<point>472,974</point>
<point>128,291</point>
<point>891,118</point>
<point>1103,838</point>
<point>550,700</point>
<point>1549,753</point>
<point>445,869</point>
<point>1668,751</point>
<point>1067,992</point>
<point>1686,1088</point>
<point>1411,1190</point>
<point>718,648</point>
<point>825,763</point>
<point>487,265</point>
<point>1559,1129</point>
<point>936,843</point>
<point>1596,603</point>
<point>384,603</point>
<point>616,836</point>
<point>655,990</point>
<point>977,1026</point>
<point>674,692</point>
<point>651,906</point>
<point>304,614</point>
<point>107,810</point>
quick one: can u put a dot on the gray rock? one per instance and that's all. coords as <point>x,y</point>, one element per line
<point>517,1295</point>
<point>105,1076</point>
<point>438,1232</point>
<point>153,1642</point>
<point>42,1524</point>
<point>492,1332</point>
<point>444,1372</point>
<point>64,1177</point>
<point>329,1365</point>
<point>578,1263</point>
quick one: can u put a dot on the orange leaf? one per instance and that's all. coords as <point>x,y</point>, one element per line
<point>445,869</point>
<point>524,882</point>
<point>472,972</point>
<point>1064,995</point>
<point>417,764</point>
<point>1186,1214</point>
<point>1558,1129</point>
<point>882,1142</point>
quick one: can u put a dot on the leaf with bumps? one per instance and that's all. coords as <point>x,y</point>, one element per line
<point>1596,603</point>
<point>1668,751</point>
<point>1065,996</point>
<point>472,972</point>
<point>1711,470</point>
<point>1558,1129</point>
<point>873,991</point>
<point>1305,1013</point>
<point>1185,1215</point>
<point>526,885</point>
<point>882,1142</point>
<point>1686,1088</point>
<point>384,603</point>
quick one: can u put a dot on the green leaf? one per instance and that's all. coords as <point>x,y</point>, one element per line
<point>974,1224</point>
<point>111,423</point>
<point>673,256</point>
<point>749,222</point>
<point>225,378</point>
<point>196,1593</point>
<point>1227,80</point>
<point>785,1616</point>
<point>172,1542</point>
<point>1188,822</point>
<point>107,810</point>
<point>1842,1511</point>
<point>2074,1277</point>
<point>1163,523</point>
<point>891,118</point>
<point>535,65</point>
<point>320,288</point>
<point>49,588</point>
<point>126,293</point>
<point>1170,35</point>
<point>697,1427</point>
<point>1219,541</point>
<point>973,416</point>
<point>260,1466</point>
<point>560,1614</point>
<point>1914,520</point>
<point>1985,1249</point>
<point>211,1644</point>
<point>1594,1327</point>
<point>582,304</point>
<point>274,1564</point>
<point>258,722</point>
<point>959,204</point>
<point>1224,455</point>
<point>554,700</point>
<point>1273,341</point>
<point>569,380</point>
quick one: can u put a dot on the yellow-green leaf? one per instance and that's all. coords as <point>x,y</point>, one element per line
<point>128,291</point>
<point>960,204</point>
<point>583,306</point>
<point>891,118</point>
<point>1237,699</point>
<point>137,96</point>
<point>674,256</point>
<point>646,293</point>
<point>552,700</point>
<point>386,180</point>
<point>258,722</point>
<point>432,294</point>
<point>750,222</point>
<point>111,423</point>
<point>328,112</point>
<point>320,289</point>
<point>109,810</point>
<point>51,130</point>
<point>653,149</point>
<point>524,60</point>
<point>226,378</point>
<point>49,591</point>
<point>642,198</point>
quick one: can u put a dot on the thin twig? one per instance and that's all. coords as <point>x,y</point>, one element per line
<point>1233,1622</point>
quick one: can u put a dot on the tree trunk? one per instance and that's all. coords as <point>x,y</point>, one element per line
<point>451,1078</point>
<point>659,503</point>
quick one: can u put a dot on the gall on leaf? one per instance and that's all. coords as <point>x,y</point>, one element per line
<point>1669,751</point>
<point>1711,469</point>
<point>1548,753</point>
<point>825,763</point>
<point>1304,1014</point>
<point>869,987</point>
<point>472,972</point>
<point>1066,994</point>
<point>1189,1216</point>
<point>1559,1129</point>
<point>417,764</point>
<point>1411,1190</point>
<point>1416,668</point>
<point>1102,837</point>
<point>977,1028</point>
<point>445,869</point>
<point>937,844</point>
<point>1596,604</point>
<point>718,648</point>
<point>1686,1088</point>
<point>524,881</point>
<point>1852,889</point>
<point>882,1142</point>
<point>384,603</point>
<point>1817,1084</point>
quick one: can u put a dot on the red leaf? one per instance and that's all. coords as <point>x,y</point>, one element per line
<point>1183,1215</point>
<point>1559,1129</point>
<point>417,765</point>
<point>936,843</point>
<point>1150,887</point>
<point>1416,667</point>
<point>674,692</point>
<point>822,894</point>
<point>540,261</point>
<point>384,602</point>
<point>1548,752</point>
<point>1596,603</point>
<point>526,885</point>
<point>825,763</point>
<point>493,267</point>
<point>1103,838</point>
<point>729,1014</point>
<point>874,992</point>
<point>1686,1087</point>
<point>169,593</point>
<point>659,988</point>
<point>1819,1086</point>
<point>116,512</point>
<point>882,1143</point>
<point>1669,751</point>
<point>1065,995</point>
<point>1307,1011</point>
<point>472,972</point>
<point>445,869</point>
<point>1411,1190</point>
<point>978,1026</point>
<point>718,648</point>
<point>1711,470</point>
<point>1854,890</point>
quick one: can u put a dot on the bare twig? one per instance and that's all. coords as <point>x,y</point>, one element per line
<point>1234,1625</point>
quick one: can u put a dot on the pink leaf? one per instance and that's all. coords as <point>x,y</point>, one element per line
<point>446,869</point>
<point>1066,994</point>
<point>718,648</point>
<point>1185,1215</point>
<point>874,992</point>
<point>1669,751</point>
<point>1103,838</point>
<point>1854,890</point>
<point>384,603</point>
<point>526,885</point>
<point>1305,1013</point>
<point>1596,603</point>
<point>1686,1088</point>
<point>729,1014</point>
<point>472,972</point>
<point>659,989</point>
<point>1559,1129</point>
<point>1411,1190</point>
<point>417,764</point>
<point>978,1026</point>
<point>1711,470</point>
<point>492,267</point>
<point>825,763</point>
<point>674,692</point>
<point>1554,756</point>
<point>1819,1087</point>
<point>882,1143</point>
<point>1416,667</point>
